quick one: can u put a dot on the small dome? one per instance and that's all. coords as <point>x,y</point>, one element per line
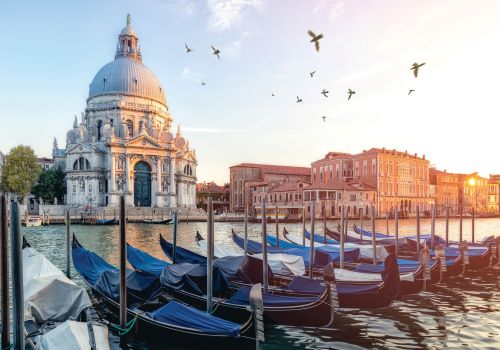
<point>127,76</point>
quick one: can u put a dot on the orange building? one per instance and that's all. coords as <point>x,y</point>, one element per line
<point>494,194</point>
<point>475,193</point>
<point>446,193</point>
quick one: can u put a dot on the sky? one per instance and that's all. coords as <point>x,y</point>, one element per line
<point>51,51</point>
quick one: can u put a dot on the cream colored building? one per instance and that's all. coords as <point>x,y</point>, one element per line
<point>124,142</point>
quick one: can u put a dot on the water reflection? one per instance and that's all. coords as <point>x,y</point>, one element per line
<point>464,312</point>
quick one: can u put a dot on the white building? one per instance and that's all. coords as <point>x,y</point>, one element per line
<point>124,142</point>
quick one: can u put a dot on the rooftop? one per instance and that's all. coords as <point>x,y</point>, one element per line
<point>276,169</point>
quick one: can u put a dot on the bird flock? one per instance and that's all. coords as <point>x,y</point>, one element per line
<point>315,39</point>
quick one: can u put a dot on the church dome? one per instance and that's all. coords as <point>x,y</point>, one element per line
<point>126,75</point>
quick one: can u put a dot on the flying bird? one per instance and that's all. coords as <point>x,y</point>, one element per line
<point>350,92</point>
<point>188,50</point>
<point>411,90</point>
<point>272,94</point>
<point>216,52</point>
<point>312,73</point>
<point>315,39</point>
<point>298,99</point>
<point>325,92</point>
<point>203,83</point>
<point>415,66</point>
<point>324,118</point>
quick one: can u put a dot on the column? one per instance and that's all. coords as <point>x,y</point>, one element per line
<point>127,173</point>
<point>112,169</point>
<point>173,202</point>
<point>158,175</point>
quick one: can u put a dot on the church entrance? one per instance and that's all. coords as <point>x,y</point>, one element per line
<point>142,185</point>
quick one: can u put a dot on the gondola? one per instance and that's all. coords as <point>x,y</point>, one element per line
<point>479,256</point>
<point>50,324</point>
<point>322,256</point>
<point>105,221</point>
<point>187,282</point>
<point>351,295</point>
<point>157,317</point>
<point>454,265</point>
<point>156,222</point>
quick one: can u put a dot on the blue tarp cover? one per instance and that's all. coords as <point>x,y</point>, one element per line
<point>426,236</point>
<point>322,255</point>
<point>192,278</point>
<point>241,297</point>
<point>181,254</point>
<point>144,262</point>
<point>306,285</point>
<point>188,317</point>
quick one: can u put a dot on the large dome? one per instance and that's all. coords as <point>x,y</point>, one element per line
<point>127,76</point>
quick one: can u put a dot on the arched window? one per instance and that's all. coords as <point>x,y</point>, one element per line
<point>99,130</point>
<point>81,164</point>
<point>130,128</point>
<point>188,170</point>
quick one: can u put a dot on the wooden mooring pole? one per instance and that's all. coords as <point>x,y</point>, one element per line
<point>16,240</point>
<point>210,253</point>
<point>4,272</point>
<point>123,257</point>
<point>68,244</point>
<point>174,248</point>
<point>264,247</point>
<point>311,240</point>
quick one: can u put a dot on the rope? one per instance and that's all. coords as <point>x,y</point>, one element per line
<point>128,327</point>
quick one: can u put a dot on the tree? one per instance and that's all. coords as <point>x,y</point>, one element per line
<point>20,171</point>
<point>50,185</point>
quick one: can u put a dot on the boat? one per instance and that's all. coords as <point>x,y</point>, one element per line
<point>157,316</point>
<point>105,221</point>
<point>187,282</point>
<point>156,222</point>
<point>454,264</point>
<point>368,294</point>
<point>33,221</point>
<point>477,256</point>
<point>48,323</point>
<point>322,255</point>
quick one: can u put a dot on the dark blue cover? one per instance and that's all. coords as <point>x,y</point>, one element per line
<point>322,255</point>
<point>192,278</point>
<point>188,317</point>
<point>242,295</point>
<point>455,252</point>
<point>321,239</point>
<point>144,262</point>
<point>181,254</point>
<point>426,236</point>
<point>405,266</point>
<point>90,265</point>
<point>140,286</point>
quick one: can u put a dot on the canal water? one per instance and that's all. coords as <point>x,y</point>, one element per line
<point>463,312</point>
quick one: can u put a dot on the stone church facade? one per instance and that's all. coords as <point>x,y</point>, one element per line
<point>124,144</point>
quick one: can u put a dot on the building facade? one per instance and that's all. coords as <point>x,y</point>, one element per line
<point>447,190</point>
<point>219,195</point>
<point>123,143</point>
<point>248,180</point>
<point>494,194</point>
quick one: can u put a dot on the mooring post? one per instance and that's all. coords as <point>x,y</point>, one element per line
<point>277,228</point>
<point>460,230</point>
<point>4,272</point>
<point>447,225</point>
<point>342,238</point>
<point>342,220</point>
<point>361,222</point>
<point>174,248</point>
<point>418,230</point>
<point>68,244</point>
<point>324,225</point>
<point>311,241</point>
<point>16,240</point>
<point>210,253</point>
<point>387,223</point>
<point>187,216</point>
<point>264,246</point>
<point>433,225</point>
<point>304,226</point>
<point>473,224</point>
<point>374,244</point>
<point>396,231</point>
<point>245,246</point>
<point>123,257</point>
